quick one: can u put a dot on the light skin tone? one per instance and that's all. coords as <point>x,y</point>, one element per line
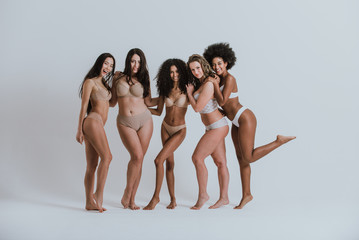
<point>211,143</point>
<point>96,145</point>
<point>175,116</point>
<point>136,142</point>
<point>242,136</point>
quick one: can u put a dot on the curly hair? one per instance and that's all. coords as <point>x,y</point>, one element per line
<point>165,83</point>
<point>206,68</point>
<point>95,71</point>
<point>222,50</point>
<point>143,76</point>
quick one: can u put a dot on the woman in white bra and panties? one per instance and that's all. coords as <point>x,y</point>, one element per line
<point>172,79</point>
<point>95,94</point>
<point>222,58</point>
<point>201,98</point>
<point>131,90</point>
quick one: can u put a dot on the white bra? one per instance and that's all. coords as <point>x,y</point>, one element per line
<point>233,94</point>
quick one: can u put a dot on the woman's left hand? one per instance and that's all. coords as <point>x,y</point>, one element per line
<point>190,88</point>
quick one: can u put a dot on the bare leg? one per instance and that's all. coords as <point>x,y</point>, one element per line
<point>89,181</point>
<point>97,142</point>
<point>206,146</point>
<point>170,163</point>
<point>170,145</point>
<point>219,157</point>
<point>246,135</point>
<point>136,143</point>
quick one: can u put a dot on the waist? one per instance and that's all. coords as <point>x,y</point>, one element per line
<point>131,107</point>
<point>209,118</point>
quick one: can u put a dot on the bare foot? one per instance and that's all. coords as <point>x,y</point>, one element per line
<point>152,204</point>
<point>244,201</point>
<point>284,139</point>
<point>219,203</point>
<point>133,206</point>
<point>200,202</point>
<point>125,201</point>
<point>172,205</point>
<point>98,200</point>
<point>92,206</point>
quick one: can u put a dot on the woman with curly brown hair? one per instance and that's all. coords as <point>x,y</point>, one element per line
<point>131,90</point>
<point>172,79</point>
<point>201,98</point>
<point>95,94</point>
<point>222,58</point>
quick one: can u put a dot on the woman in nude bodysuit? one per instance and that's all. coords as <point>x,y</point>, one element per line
<point>222,58</point>
<point>95,94</point>
<point>172,79</point>
<point>131,90</point>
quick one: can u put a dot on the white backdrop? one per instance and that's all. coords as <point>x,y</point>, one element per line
<point>297,69</point>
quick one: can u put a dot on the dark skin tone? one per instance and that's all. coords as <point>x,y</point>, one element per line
<point>244,135</point>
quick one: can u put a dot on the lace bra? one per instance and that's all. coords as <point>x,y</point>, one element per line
<point>211,106</point>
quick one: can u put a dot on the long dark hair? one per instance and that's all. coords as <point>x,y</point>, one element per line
<point>95,71</point>
<point>142,75</point>
<point>206,68</point>
<point>165,83</point>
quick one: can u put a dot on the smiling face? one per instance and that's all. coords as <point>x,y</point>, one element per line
<point>219,65</point>
<point>174,73</point>
<point>196,69</point>
<point>135,64</point>
<point>107,66</point>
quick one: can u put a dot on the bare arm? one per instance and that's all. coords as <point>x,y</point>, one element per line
<point>222,97</point>
<point>158,111</point>
<point>116,77</point>
<point>149,101</point>
<point>87,88</point>
<point>204,96</point>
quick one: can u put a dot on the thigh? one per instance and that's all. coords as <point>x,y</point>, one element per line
<point>145,134</point>
<point>130,140</point>
<point>170,144</point>
<point>219,153</point>
<point>91,155</point>
<point>235,140</point>
<point>246,133</point>
<point>96,136</point>
<point>209,141</point>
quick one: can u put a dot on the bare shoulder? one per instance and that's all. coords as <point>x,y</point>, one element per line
<point>230,78</point>
<point>89,82</point>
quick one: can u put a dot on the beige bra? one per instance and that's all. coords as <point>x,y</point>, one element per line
<point>180,101</point>
<point>101,94</point>
<point>123,89</point>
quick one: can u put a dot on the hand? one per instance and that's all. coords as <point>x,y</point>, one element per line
<point>216,79</point>
<point>190,89</point>
<point>222,112</point>
<point>80,137</point>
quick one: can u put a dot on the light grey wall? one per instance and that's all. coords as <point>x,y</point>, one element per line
<point>297,69</point>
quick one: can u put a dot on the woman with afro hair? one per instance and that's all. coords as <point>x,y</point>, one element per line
<point>202,100</point>
<point>172,79</point>
<point>223,58</point>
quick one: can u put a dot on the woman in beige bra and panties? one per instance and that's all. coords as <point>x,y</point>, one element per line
<point>95,94</point>
<point>201,97</point>
<point>131,90</point>
<point>222,58</point>
<point>172,79</point>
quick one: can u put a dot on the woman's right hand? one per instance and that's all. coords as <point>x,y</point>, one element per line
<point>80,137</point>
<point>190,88</point>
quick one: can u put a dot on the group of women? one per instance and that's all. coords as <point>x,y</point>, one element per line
<point>204,83</point>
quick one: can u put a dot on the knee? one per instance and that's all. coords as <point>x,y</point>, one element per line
<point>158,162</point>
<point>196,160</point>
<point>91,168</point>
<point>107,158</point>
<point>170,166</point>
<point>220,164</point>
<point>137,158</point>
